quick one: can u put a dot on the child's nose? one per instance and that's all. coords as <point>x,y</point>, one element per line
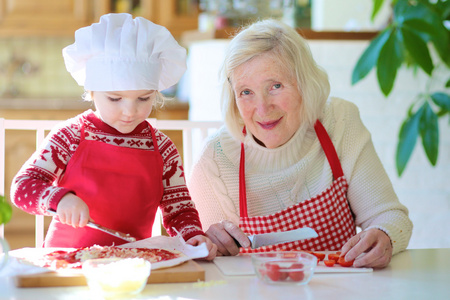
<point>129,108</point>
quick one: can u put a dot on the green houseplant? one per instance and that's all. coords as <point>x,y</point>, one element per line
<point>415,28</point>
<point>5,211</point>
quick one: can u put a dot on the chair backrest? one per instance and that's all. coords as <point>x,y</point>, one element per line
<point>194,132</point>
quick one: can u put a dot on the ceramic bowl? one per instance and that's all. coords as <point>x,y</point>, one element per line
<point>286,267</point>
<point>111,277</point>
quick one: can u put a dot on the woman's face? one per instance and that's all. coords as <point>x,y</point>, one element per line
<point>268,100</point>
<point>124,110</point>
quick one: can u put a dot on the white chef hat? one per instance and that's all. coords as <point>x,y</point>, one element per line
<point>121,53</point>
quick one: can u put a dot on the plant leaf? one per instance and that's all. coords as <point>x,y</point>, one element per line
<point>409,132</point>
<point>442,100</point>
<point>429,131</point>
<point>370,56</point>
<point>420,27</point>
<point>377,4</point>
<point>5,212</point>
<point>404,10</point>
<point>431,29</point>
<point>409,14</point>
<point>444,8</point>
<point>390,59</point>
<point>418,49</point>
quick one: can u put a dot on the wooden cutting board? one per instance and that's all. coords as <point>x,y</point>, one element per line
<point>189,271</point>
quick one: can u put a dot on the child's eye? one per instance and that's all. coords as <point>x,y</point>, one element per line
<point>113,99</point>
<point>144,98</point>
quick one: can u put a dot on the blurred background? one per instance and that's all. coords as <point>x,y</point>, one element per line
<point>34,83</point>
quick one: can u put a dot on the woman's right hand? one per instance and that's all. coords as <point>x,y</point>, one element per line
<point>73,211</point>
<point>224,234</point>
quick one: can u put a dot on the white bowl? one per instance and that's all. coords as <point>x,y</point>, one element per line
<point>111,277</point>
<point>284,267</point>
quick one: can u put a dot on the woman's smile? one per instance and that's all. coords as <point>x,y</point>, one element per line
<point>269,124</point>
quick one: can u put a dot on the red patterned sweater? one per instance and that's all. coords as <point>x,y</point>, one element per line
<point>34,188</point>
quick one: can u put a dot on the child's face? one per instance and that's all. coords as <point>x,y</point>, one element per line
<point>124,110</point>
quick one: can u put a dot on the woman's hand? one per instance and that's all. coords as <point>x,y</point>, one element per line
<point>200,239</point>
<point>224,234</point>
<point>376,246</point>
<point>73,211</point>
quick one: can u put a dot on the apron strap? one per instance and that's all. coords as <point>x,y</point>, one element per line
<point>242,188</point>
<point>82,132</point>
<point>328,148</point>
<point>155,142</point>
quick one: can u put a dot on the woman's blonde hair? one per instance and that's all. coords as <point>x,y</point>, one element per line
<point>294,56</point>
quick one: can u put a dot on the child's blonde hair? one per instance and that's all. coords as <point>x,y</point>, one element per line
<point>158,102</point>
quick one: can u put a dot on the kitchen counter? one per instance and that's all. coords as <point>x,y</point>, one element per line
<point>43,104</point>
<point>412,274</point>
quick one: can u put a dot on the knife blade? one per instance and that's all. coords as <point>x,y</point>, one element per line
<point>265,239</point>
<point>124,236</point>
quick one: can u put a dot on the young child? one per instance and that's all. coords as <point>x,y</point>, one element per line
<point>110,166</point>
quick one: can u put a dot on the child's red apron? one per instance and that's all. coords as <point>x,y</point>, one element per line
<point>121,186</point>
<point>328,213</point>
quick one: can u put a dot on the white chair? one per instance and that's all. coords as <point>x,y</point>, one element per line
<point>188,128</point>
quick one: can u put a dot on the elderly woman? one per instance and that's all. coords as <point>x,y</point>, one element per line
<point>290,157</point>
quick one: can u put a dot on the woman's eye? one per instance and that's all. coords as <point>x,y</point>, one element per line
<point>246,92</point>
<point>144,98</point>
<point>113,99</point>
<point>277,85</point>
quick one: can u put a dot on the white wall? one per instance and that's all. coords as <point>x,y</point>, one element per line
<point>423,189</point>
<point>345,15</point>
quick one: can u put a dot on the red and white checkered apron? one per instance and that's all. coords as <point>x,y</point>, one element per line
<point>328,213</point>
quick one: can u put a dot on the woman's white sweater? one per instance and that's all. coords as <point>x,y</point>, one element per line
<point>299,170</point>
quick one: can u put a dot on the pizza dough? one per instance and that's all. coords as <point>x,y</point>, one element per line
<point>73,259</point>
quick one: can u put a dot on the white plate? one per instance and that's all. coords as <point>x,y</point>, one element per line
<point>27,255</point>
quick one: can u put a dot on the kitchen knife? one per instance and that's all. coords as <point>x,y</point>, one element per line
<point>124,236</point>
<point>265,239</point>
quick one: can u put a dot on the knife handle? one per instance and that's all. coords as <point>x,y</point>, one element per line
<point>121,235</point>
<point>52,212</point>
<point>250,237</point>
<point>237,243</point>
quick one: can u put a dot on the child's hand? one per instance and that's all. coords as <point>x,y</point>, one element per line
<point>73,211</point>
<point>199,239</point>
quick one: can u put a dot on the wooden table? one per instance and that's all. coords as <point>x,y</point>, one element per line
<point>412,274</point>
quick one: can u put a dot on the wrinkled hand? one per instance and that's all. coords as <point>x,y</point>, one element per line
<point>222,235</point>
<point>73,211</point>
<point>200,239</point>
<point>376,246</point>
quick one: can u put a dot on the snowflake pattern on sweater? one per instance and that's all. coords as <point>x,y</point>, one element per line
<point>35,187</point>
